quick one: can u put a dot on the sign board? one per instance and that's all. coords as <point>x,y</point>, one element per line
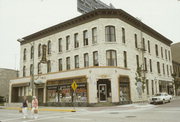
<point>74,85</point>
<point>85,6</point>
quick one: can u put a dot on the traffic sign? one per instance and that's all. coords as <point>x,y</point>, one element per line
<point>74,85</point>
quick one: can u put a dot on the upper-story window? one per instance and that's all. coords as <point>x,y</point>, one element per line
<point>39,50</point>
<point>145,64</point>
<point>60,65</point>
<point>167,70</point>
<point>158,67</point>
<point>143,44</point>
<point>68,67</point>
<point>166,53</point>
<point>94,35</point>
<point>60,44</point>
<point>76,41</point>
<point>67,42</point>
<point>31,69</point>
<point>24,71</point>
<point>24,54</point>
<point>49,47</point>
<point>86,60</point>
<point>48,66</point>
<point>137,60</point>
<point>39,68</point>
<point>150,64</point>
<point>149,47</point>
<point>110,34</point>
<point>156,49</point>
<point>125,59</point>
<point>136,41</point>
<point>123,35</point>
<point>32,52</point>
<point>163,69</point>
<point>162,52</point>
<point>95,58</point>
<point>85,37</point>
<point>169,55</point>
<point>76,59</point>
<point>111,58</point>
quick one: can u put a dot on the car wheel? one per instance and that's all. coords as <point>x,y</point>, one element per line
<point>163,102</point>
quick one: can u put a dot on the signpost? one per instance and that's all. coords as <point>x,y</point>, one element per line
<point>74,87</point>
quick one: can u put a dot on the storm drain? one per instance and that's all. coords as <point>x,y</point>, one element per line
<point>114,113</point>
<point>130,116</point>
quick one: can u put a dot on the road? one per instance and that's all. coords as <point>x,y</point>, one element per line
<point>169,112</point>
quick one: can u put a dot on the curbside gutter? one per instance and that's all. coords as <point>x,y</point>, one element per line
<point>40,109</point>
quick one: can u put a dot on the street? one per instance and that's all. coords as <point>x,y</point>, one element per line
<point>169,112</point>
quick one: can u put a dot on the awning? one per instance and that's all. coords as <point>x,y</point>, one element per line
<point>20,84</point>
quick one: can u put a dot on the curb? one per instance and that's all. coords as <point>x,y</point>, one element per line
<point>43,109</point>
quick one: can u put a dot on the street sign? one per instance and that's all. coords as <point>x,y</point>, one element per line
<point>74,85</point>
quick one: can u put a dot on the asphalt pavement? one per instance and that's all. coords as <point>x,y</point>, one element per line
<point>168,112</point>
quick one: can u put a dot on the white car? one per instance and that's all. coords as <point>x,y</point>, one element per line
<point>161,98</point>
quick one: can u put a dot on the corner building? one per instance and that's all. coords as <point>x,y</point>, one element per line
<point>101,51</point>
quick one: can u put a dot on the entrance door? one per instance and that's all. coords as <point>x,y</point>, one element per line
<point>40,95</point>
<point>102,92</point>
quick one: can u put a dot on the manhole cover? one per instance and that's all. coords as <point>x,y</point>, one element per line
<point>130,116</point>
<point>114,113</point>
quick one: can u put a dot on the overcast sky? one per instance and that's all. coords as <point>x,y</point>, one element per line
<point>19,18</point>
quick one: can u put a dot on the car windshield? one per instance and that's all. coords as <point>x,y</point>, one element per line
<point>158,95</point>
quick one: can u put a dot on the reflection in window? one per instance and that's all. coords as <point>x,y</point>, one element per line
<point>76,41</point>
<point>49,47</point>
<point>86,60</point>
<point>32,52</point>
<point>39,50</point>
<point>60,44</point>
<point>94,35</point>
<point>68,63</point>
<point>85,37</point>
<point>49,66</point>
<point>76,58</point>
<point>95,59</point>
<point>60,65</point>
<point>111,58</point>
<point>110,34</point>
<point>24,56</point>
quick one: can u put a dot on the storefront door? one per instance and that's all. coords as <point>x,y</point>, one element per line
<point>102,92</point>
<point>40,95</point>
<point>124,90</point>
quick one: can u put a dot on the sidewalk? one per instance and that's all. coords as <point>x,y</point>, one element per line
<point>89,109</point>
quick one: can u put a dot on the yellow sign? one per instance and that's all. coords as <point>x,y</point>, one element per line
<point>74,85</point>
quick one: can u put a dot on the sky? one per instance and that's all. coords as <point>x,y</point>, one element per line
<point>20,18</point>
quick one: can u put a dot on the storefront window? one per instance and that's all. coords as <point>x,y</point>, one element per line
<point>64,93</point>
<point>51,94</point>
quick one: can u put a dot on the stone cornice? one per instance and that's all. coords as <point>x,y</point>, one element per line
<point>99,13</point>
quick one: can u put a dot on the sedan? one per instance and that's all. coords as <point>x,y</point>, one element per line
<point>161,98</point>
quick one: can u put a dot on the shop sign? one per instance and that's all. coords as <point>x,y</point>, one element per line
<point>52,87</point>
<point>74,85</point>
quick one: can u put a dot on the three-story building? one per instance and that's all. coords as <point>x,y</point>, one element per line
<point>112,56</point>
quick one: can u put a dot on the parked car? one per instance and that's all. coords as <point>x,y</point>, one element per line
<point>161,98</point>
<point>2,99</point>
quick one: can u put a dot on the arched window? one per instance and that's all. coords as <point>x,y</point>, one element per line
<point>32,52</point>
<point>24,71</point>
<point>49,47</point>
<point>24,54</point>
<point>39,68</point>
<point>110,34</point>
<point>49,66</point>
<point>39,50</point>
<point>31,69</point>
<point>111,58</point>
